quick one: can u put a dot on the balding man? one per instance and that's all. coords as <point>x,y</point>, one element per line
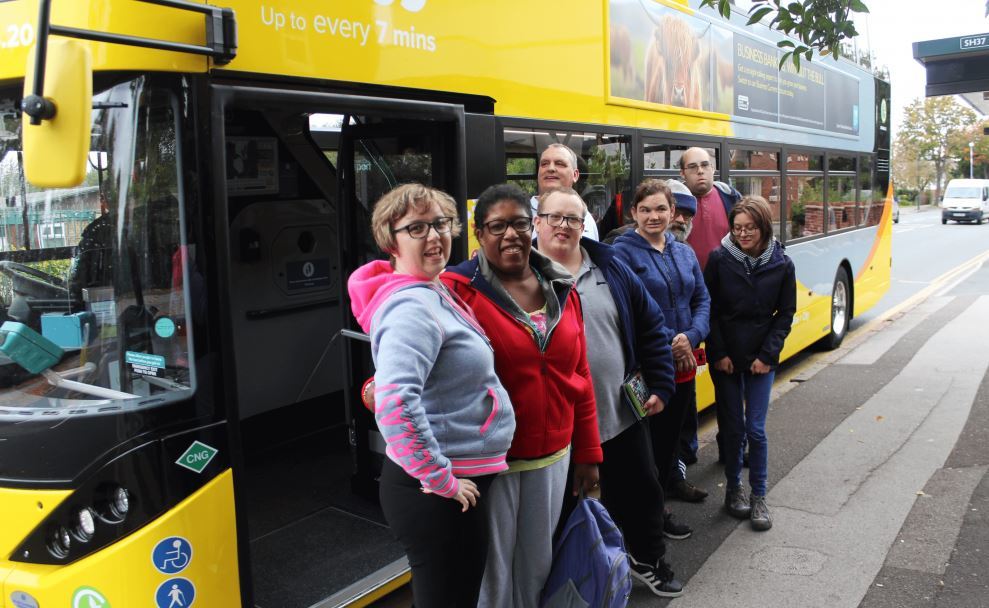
<point>714,201</point>
<point>558,169</point>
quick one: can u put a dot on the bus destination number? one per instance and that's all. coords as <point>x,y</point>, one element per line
<point>17,36</point>
<point>974,42</point>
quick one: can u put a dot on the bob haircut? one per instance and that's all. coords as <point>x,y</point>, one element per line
<point>649,187</point>
<point>400,200</point>
<point>562,190</point>
<point>758,209</point>
<point>496,194</point>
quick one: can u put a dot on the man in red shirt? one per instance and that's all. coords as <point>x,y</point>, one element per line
<point>714,201</point>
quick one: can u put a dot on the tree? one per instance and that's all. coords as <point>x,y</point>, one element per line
<point>910,170</point>
<point>930,125</point>
<point>817,24</point>
<point>958,148</point>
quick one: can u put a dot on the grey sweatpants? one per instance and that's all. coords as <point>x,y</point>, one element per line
<point>523,510</point>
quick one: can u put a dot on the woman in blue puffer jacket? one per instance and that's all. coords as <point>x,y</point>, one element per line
<point>673,278</point>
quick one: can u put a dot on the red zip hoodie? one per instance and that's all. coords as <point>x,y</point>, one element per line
<point>551,390</point>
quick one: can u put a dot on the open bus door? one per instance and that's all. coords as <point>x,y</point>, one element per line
<point>374,158</point>
<point>297,175</point>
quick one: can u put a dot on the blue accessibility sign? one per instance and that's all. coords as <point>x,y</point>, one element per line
<point>171,555</point>
<point>175,593</point>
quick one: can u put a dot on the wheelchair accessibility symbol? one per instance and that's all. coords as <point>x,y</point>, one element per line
<point>172,555</point>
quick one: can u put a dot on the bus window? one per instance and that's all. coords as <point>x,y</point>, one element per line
<point>602,159</point>
<point>751,159</point>
<point>870,200</point>
<point>756,172</point>
<point>841,192</point>
<point>101,270</point>
<point>805,195</point>
<point>664,158</point>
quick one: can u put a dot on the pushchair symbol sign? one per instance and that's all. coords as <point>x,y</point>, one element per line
<point>172,555</point>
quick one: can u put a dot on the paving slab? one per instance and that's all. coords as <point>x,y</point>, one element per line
<point>839,510</point>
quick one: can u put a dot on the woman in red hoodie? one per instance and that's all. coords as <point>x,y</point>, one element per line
<point>531,313</point>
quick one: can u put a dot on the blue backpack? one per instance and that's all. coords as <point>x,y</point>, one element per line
<point>590,565</point>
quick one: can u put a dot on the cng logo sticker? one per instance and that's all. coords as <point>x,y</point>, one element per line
<point>197,456</point>
<point>87,597</point>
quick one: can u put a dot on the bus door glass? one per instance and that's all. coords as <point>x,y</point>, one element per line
<point>381,155</point>
<point>301,179</point>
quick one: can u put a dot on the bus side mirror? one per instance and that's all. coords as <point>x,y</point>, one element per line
<point>56,151</point>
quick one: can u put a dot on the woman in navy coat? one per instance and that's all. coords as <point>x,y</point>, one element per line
<point>753,298</point>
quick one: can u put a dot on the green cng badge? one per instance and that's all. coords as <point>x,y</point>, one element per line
<point>197,456</point>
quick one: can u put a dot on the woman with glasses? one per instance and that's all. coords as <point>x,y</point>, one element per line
<point>445,416</point>
<point>753,299</point>
<point>626,337</point>
<point>529,308</point>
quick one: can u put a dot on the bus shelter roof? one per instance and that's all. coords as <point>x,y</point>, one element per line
<point>957,66</point>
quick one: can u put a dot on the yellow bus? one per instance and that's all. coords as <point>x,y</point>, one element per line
<point>187,186</point>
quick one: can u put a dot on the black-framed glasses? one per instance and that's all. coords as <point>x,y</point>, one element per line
<point>695,167</point>
<point>745,229</point>
<point>420,230</point>
<point>499,227</point>
<point>555,220</point>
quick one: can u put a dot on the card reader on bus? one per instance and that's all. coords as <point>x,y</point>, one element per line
<point>28,348</point>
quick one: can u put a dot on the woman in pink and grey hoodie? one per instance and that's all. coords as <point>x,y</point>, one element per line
<point>446,419</point>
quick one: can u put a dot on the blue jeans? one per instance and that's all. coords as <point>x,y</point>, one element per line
<point>744,399</point>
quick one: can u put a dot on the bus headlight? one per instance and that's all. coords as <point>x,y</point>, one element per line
<point>60,542</point>
<point>119,502</point>
<point>113,504</point>
<point>84,525</point>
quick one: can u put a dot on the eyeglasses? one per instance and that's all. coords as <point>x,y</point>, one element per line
<point>420,230</point>
<point>499,227</point>
<point>744,229</point>
<point>696,167</point>
<point>555,220</point>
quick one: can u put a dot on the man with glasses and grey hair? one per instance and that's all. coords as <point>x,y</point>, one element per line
<point>558,169</point>
<point>714,201</point>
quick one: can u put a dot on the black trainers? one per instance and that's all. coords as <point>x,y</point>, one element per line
<point>687,492</point>
<point>658,578</point>
<point>760,518</point>
<point>737,503</point>
<point>674,529</point>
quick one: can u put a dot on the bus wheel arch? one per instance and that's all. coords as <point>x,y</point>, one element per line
<point>842,306</point>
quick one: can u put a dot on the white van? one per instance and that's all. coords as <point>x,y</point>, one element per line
<point>965,200</point>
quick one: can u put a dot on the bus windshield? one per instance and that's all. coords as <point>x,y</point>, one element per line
<point>95,280</point>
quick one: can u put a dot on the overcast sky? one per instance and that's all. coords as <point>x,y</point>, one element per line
<point>894,25</point>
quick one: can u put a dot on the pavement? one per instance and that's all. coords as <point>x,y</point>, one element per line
<point>878,475</point>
